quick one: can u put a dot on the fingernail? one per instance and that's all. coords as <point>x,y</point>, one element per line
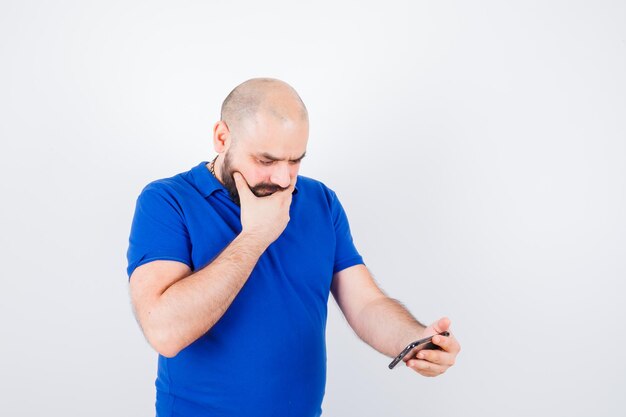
<point>420,355</point>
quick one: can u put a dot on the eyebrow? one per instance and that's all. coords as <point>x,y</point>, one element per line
<point>274,158</point>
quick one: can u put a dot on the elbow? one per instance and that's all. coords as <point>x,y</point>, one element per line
<point>167,351</point>
<point>168,340</point>
<point>164,343</point>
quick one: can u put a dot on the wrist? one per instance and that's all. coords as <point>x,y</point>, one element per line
<point>253,239</point>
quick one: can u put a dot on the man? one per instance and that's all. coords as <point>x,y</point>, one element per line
<point>231,265</point>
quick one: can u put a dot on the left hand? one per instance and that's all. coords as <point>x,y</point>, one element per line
<point>436,362</point>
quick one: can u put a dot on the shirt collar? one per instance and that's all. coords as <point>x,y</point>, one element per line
<point>208,184</point>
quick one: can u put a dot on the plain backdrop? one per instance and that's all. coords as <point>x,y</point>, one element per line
<point>479,149</point>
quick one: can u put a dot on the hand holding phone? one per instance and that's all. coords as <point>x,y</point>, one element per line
<point>411,350</point>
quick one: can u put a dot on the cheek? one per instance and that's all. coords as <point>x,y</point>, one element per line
<point>261,174</point>
<point>258,175</point>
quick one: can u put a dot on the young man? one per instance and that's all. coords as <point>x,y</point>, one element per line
<point>231,265</point>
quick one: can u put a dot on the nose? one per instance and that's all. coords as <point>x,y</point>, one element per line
<point>280,175</point>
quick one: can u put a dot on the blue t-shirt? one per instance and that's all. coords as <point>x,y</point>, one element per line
<point>266,356</point>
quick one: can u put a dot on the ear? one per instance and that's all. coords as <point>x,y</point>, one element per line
<point>221,137</point>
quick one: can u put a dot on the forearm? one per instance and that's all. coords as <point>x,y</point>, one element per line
<point>191,306</point>
<point>387,326</point>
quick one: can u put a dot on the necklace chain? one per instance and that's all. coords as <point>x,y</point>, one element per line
<point>212,167</point>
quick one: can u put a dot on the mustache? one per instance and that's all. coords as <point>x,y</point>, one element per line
<point>271,188</point>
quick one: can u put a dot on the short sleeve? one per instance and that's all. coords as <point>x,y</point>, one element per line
<point>158,230</point>
<point>346,254</point>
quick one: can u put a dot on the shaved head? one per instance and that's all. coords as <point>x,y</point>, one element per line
<point>262,96</point>
<point>262,134</point>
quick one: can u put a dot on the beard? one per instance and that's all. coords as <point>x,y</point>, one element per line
<point>259,190</point>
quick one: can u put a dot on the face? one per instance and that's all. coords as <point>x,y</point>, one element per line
<point>268,154</point>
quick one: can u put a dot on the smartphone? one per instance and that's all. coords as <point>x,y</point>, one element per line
<point>411,350</point>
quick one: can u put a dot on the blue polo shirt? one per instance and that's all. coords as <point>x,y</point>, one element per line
<point>266,356</point>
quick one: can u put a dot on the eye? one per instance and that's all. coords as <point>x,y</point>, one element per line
<point>266,162</point>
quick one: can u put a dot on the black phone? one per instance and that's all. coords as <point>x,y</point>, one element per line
<point>412,348</point>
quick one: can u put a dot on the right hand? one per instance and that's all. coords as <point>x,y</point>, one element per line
<point>264,217</point>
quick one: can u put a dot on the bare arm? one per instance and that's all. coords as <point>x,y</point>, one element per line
<point>381,322</point>
<point>387,326</point>
<point>174,312</point>
<point>174,308</point>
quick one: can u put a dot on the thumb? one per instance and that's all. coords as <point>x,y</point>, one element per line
<point>441,325</point>
<point>242,184</point>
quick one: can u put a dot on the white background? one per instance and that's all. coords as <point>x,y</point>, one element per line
<point>478,147</point>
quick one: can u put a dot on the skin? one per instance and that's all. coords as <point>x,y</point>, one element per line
<point>266,147</point>
<point>261,140</point>
<point>386,325</point>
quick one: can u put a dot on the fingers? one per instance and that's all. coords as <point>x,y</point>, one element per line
<point>292,184</point>
<point>437,357</point>
<point>426,368</point>
<point>242,185</point>
<point>430,362</point>
<point>447,343</point>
